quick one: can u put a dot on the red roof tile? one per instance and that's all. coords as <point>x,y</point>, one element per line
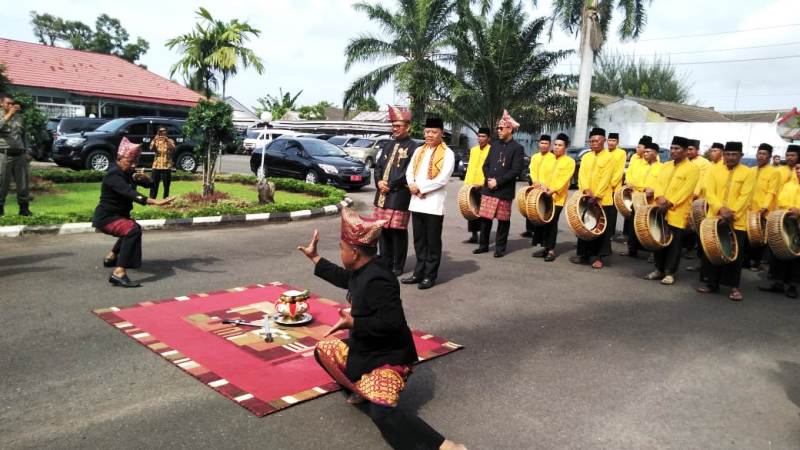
<point>89,74</point>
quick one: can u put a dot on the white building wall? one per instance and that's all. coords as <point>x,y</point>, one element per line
<point>751,134</point>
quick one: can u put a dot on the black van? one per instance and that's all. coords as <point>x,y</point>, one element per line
<point>59,126</point>
<point>96,150</point>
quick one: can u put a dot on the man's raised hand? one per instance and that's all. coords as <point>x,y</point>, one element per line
<point>310,250</point>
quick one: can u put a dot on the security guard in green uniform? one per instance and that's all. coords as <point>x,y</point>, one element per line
<point>13,157</point>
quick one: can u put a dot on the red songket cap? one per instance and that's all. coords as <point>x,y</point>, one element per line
<point>507,121</point>
<point>399,115</point>
<point>128,150</point>
<point>357,230</point>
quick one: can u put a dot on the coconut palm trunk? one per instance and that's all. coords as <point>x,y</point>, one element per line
<point>585,76</point>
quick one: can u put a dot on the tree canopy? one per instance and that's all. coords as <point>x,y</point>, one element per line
<point>108,35</point>
<point>621,75</point>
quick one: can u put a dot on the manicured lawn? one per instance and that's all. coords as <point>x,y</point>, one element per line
<point>82,198</point>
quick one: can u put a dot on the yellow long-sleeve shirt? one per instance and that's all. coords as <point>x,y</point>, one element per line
<point>556,174</point>
<point>595,174</point>
<point>538,165</point>
<point>676,183</point>
<point>619,156</point>
<point>637,175</point>
<point>704,165</point>
<point>731,188</point>
<point>786,174</point>
<point>477,156</point>
<point>768,185</point>
<point>789,196</point>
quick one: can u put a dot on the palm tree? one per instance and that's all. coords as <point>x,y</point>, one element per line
<point>590,20</point>
<point>503,66</point>
<point>621,75</point>
<point>196,46</point>
<point>229,48</point>
<point>414,41</point>
<point>212,46</point>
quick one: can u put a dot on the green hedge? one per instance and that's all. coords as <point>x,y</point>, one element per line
<point>328,195</point>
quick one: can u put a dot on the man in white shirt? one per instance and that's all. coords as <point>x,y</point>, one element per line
<point>427,175</point>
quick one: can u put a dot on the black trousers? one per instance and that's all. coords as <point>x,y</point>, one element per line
<point>502,234</point>
<point>601,246</point>
<point>729,274</point>
<point>783,271</point>
<point>633,242</point>
<point>539,234</point>
<point>474,226</point>
<point>128,249</point>
<point>550,231</point>
<point>393,247</point>
<point>404,431</point>
<point>667,260</point>
<point>427,244</point>
<point>529,226</point>
<point>689,240</point>
<point>752,255</point>
<point>160,175</point>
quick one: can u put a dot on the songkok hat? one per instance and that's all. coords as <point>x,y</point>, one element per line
<point>562,137</point>
<point>545,137</point>
<point>597,132</point>
<point>793,148</point>
<point>733,146</point>
<point>434,122</point>
<point>645,139</point>
<point>765,146</point>
<point>507,121</point>
<point>485,130</point>
<point>652,146</point>
<point>613,136</point>
<point>681,141</point>
<point>128,150</point>
<point>399,115</point>
<point>694,143</point>
<point>717,145</point>
<point>357,230</point>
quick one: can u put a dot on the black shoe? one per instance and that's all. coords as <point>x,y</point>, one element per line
<point>24,209</point>
<point>499,253</point>
<point>526,234</point>
<point>110,262</point>
<point>427,283</point>
<point>773,287</point>
<point>411,280</point>
<point>122,281</point>
<point>791,291</point>
<point>472,240</point>
<point>539,253</point>
<point>480,250</point>
<point>550,257</point>
<point>579,260</point>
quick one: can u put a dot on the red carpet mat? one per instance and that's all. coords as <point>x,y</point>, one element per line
<point>235,361</point>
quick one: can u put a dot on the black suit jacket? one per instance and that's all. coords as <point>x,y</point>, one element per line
<point>398,196</point>
<point>380,334</point>
<point>504,163</point>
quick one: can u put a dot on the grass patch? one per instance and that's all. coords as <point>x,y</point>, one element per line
<point>76,201</point>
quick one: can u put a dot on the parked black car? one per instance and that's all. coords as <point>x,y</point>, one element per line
<point>96,150</point>
<point>312,160</point>
<point>58,126</point>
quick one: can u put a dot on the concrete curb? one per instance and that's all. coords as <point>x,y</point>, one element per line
<point>14,231</point>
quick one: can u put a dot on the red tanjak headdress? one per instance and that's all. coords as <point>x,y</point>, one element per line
<point>128,149</point>
<point>396,114</point>
<point>357,230</point>
<point>507,121</point>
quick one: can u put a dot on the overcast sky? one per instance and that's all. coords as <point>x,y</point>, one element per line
<point>303,41</point>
